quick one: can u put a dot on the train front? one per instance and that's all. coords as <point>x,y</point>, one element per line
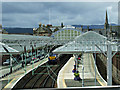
<point>52,58</point>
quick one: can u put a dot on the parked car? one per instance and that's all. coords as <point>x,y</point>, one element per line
<point>7,62</point>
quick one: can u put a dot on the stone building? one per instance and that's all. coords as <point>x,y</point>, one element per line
<point>47,30</point>
<point>42,30</point>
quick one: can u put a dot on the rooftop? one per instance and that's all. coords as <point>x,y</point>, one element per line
<point>86,42</point>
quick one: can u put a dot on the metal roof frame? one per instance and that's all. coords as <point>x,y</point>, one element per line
<point>4,47</point>
<point>92,42</point>
<point>87,42</point>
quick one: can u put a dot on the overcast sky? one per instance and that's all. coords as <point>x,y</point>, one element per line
<point>30,14</point>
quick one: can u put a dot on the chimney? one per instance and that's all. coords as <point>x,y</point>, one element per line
<point>0,26</point>
<point>62,24</point>
<point>40,25</point>
<point>43,25</point>
<point>88,27</point>
<point>82,28</point>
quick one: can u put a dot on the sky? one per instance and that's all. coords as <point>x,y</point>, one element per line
<point>30,14</point>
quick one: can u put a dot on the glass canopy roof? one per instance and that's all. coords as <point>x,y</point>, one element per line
<point>19,41</point>
<point>3,48</point>
<point>87,42</point>
<point>22,37</point>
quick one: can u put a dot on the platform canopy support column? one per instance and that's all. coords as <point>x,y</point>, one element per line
<point>95,65</point>
<point>22,55</point>
<point>109,65</point>
<point>11,63</point>
<point>76,61</point>
<point>25,58</point>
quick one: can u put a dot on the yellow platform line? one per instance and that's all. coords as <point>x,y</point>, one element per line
<point>64,84</point>
<point>9,83</point>
<point>100,82</point>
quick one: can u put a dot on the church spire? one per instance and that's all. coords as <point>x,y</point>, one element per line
<point>106,25</point>
<point>106,19</point>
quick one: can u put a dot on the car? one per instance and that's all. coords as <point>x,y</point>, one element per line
<point>7,62</point>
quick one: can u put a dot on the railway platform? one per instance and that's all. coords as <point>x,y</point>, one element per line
<point>66,76</point>
<point>9,81</point>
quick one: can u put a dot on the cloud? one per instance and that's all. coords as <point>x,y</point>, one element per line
<point>22,7</point>
<point>61,1</point>
<point>109,8</point>
<point>29,14</point>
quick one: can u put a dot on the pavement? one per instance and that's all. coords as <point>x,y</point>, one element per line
<point>2,67</point>
<point>9,81</point>
<point>66,76</point>
<point>3,70</point>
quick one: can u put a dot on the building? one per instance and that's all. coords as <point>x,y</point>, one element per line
<point>42,30</point>
<point>3,31</point>
<point>0,28</point>
<point>47,30</point>
<point>66,34</point>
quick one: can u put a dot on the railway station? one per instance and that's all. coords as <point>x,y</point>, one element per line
<point>60,45</point>
<point>75,64</point>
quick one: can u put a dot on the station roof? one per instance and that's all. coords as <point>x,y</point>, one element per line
<point>87,42</point>
<point>3,50</point>
<point>18,42</point>
<point>20,47</point>
<point>22,37</point>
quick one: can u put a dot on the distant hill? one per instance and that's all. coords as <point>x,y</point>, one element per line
<point>93,26</point>
<point>112,24</point>
<point>90,26</point>
<point>19,30</point>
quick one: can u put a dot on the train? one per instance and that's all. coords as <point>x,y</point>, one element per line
<point>52,58</point>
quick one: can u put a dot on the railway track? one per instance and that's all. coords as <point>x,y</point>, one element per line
<point>46,77</point>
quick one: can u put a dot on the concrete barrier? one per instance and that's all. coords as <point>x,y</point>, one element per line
<point>98,76</point>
